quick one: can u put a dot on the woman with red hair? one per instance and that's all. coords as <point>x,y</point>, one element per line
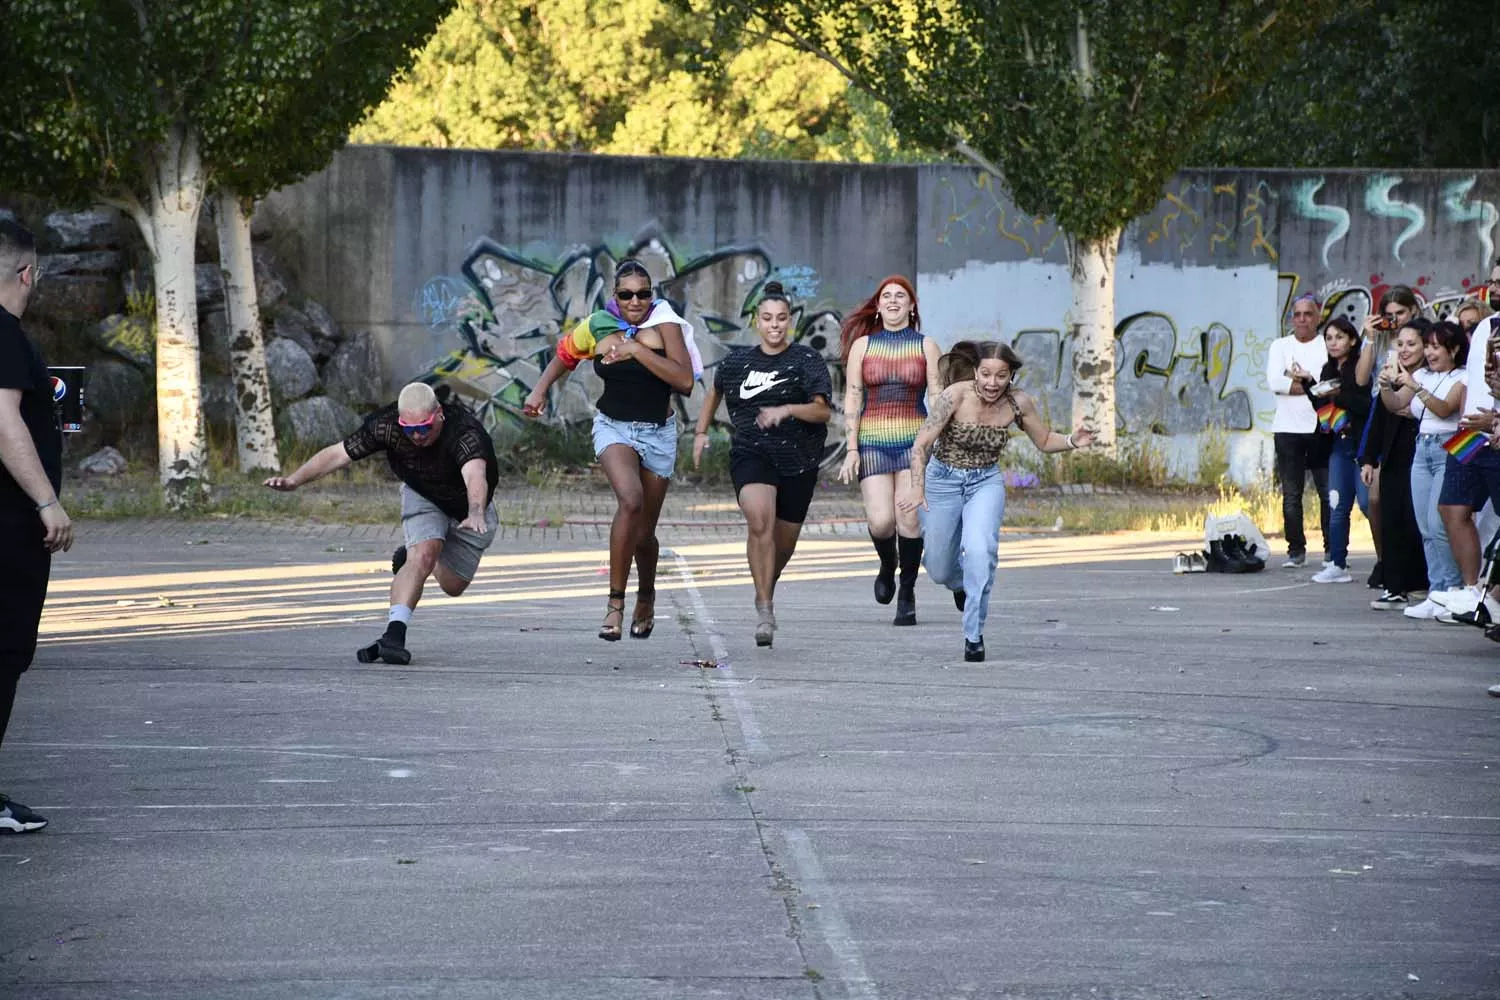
<point>890,369</point>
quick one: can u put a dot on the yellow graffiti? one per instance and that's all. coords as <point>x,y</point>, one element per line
<point>1225,188</point>
<point>1222,234</point>
<point>1251,213</point>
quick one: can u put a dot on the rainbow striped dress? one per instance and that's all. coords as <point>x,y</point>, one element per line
<point>895,376</point>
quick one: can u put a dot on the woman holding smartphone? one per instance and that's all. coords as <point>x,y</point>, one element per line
<point>1390,448</point>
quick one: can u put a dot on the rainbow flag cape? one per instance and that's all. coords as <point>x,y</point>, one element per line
<point>1466,444</point>
<point>1332,419</point>
<point>582,341</point>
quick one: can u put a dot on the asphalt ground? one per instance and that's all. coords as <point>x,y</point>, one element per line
<point>1157,786</point>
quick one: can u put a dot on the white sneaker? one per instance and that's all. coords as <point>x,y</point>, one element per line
<point>1332,574</point>
<point>1425,611</point>
<point>1444,596</point>
<point>1463,602</point>
<point>1294,562</point>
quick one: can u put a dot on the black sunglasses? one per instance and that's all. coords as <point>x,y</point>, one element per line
<point>625,294</point>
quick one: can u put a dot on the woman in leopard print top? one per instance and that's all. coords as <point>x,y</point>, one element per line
<point>960,493</point>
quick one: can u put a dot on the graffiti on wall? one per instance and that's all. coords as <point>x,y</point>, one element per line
<point>1165,382</point>
<point>1453,205</point>
<point>1216,217</point>
<point>1355,300</point>
<point>503,314</point>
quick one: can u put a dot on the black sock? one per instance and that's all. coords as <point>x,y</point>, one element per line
<point>911,560</point>
<point>886,549</point>
<point>396,632</point>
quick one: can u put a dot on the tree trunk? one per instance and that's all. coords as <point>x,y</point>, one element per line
<point>168,219</point>
<point>255,430</point>
<point>1092,322</point>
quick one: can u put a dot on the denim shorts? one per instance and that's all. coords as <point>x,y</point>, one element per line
<point>655,443</point>
<point>1469,484</point>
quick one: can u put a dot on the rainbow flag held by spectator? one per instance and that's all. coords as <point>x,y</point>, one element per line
<point>1332,418</point>
<point>1466,444</point>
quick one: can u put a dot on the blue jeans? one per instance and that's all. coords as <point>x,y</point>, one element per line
<point>962,531</point>
<point>1426,488</point>
<point>1345,489</point>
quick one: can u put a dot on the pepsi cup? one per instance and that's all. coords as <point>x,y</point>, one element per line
<point>67,396</point>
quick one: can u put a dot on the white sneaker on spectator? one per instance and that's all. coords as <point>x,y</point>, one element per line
<point>1425,611</point>
<point>1332,574</point>
<point>1293,562</point>
<point>1461,603</point>
<point>1444,596</point>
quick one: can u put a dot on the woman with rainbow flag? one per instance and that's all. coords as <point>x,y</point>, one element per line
<point>642,352</point>
<point>1435,396</point>
<point>1343,406</point>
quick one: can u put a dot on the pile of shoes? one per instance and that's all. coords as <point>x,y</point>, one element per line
<point>1231,554</point>
<point>1189,562</point>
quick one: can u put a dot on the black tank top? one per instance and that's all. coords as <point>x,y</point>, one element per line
<point>632,393</point>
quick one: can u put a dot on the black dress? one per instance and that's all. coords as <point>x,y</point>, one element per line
<point>1392,446</point>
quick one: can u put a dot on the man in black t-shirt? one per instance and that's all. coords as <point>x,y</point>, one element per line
<point>33,524</point>
<point>446,462</point>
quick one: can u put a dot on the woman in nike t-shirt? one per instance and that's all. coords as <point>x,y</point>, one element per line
<point>777,393</point>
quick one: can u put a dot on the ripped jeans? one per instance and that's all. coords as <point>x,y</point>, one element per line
<point>1345,488</point>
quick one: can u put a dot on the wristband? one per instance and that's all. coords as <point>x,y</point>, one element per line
<point>1070,441</point>
<point>43,506</point>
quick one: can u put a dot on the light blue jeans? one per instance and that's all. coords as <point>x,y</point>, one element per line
<point>962,531</point>
<point>1426,487</point>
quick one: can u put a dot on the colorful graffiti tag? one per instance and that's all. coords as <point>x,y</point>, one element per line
<point>506,310</point>
<point>1165,383</point>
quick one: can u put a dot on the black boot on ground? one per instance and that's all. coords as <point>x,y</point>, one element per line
<point>906,594</point>
<point>885,580</point>
<point>974,651</point>
<point>1218,560</point>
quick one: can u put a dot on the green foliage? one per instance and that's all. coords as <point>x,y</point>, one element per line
<point>1086,108</point>
<point>1358,94</point>
<point>93,86</point>
<point>635,77</point>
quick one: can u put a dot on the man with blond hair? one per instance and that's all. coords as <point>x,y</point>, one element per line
<point>33,524</point>
<point>446,463</point>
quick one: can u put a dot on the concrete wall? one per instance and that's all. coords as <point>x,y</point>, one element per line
<point>466,265</point>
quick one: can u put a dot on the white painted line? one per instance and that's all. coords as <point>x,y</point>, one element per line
<point>749,728</point>
<point>828,916</point>
<point>808,869</point>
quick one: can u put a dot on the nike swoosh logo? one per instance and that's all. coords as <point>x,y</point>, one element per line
<point>750,393</point>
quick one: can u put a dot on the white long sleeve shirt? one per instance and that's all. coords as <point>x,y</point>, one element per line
<point>1294,414</point>
<point>1479,346</point>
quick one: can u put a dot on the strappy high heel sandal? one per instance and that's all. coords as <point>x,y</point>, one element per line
<point>614,606</point>
<point>765,624</point>
<point>641,628</point>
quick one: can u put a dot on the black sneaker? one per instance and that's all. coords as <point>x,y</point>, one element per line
<point>386,650</point>
<point>1388,601</point>
<point>960,599</point>
<point>974,651</point>
<point>398,559</point>
<point>16,818</point>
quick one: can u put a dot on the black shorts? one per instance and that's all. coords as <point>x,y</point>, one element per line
<point>794,494</point>
<point>23,587</point>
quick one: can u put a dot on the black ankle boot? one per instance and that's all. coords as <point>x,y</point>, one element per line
<point>906,594</point>
<point>885,580</point>
<point>974,651</point>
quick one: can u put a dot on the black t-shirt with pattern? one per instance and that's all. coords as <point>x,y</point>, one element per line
<point>22,367</point>
<point>750,379</point>
<point>436,471</point>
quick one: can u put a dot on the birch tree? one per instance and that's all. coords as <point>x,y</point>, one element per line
<point>1083,109</point>
<point>141,104</point>
<point>293,87</point>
